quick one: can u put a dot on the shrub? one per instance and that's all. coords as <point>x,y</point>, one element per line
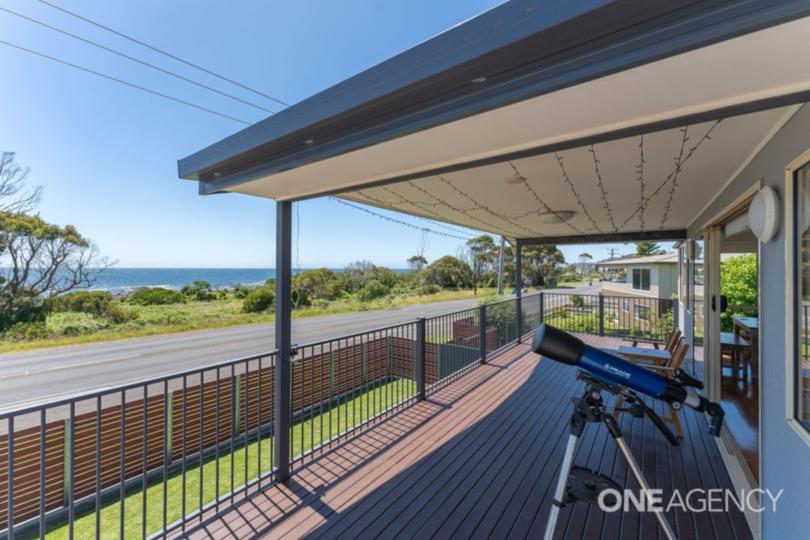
<point>26,331</point>
<point>448,271</point>
<point>75,323</point>
<point>94,302</point>
<point>258,300</point>
<point>118,313</point>
<point>429,289</point>
<point>241,291</point>
<point>299,297</point>
<point>200,290</point>
<point>577,300</point>
<point>156,296</point>
<point>373,289</point>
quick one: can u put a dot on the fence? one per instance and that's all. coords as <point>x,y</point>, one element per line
<point>616,316</point>
<point>155,457</point>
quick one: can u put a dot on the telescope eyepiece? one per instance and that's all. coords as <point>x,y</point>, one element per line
<point>557,345</point>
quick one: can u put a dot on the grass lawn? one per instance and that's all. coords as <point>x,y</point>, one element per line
<point>167,319</point>
<point>304,435</point>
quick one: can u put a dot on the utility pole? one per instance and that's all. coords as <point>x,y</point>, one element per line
<point>500,269</point>
<point>612,252</point>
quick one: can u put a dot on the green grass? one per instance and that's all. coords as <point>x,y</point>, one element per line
<point>190,316</point>
<point>304,435</point>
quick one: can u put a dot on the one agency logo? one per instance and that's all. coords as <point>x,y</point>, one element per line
<point>695,500</point>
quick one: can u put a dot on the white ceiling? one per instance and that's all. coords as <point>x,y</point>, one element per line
<point>748,68</point>
<point>682,171</point>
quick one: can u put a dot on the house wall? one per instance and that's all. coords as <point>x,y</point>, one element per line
<point>785,457</point>
<point>663,282</point>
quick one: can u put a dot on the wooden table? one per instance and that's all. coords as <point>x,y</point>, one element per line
<point>750,327</point>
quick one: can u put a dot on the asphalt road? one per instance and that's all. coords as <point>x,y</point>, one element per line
<point>50,373</point>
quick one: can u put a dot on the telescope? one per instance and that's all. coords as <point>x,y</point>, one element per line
<point>602,371</point>
<point>563,347</point>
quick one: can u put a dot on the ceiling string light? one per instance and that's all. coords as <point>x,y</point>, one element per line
<point>640,178</point>
<point>674,184</point>
<point>547,209</point>
<point>463,211</point>
<point>392,206</point>
<point>706,136</point>
<point>601,184</point>
<point>574,192</point>
<point>400,222</point>
<point>478,206</point>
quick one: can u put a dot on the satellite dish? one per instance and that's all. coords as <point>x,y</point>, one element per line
<point>763,214</point>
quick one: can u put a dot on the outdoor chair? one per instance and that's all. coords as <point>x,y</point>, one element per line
<point>654,356</point>
<point>678,356</point>
<point>669,344</point>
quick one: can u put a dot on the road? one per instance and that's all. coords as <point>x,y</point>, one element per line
<point>46,374</point>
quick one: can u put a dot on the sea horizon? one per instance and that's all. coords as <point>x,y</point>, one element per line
<point>122,279</point>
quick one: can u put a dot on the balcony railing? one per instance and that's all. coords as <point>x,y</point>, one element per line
<point>158,456</point>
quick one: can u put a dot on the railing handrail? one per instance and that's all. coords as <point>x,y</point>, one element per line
<point>31,407</point>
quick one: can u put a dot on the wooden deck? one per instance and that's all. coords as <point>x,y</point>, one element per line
<point>479,459</point>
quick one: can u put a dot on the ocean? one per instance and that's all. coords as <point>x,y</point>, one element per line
<point>126,279</point>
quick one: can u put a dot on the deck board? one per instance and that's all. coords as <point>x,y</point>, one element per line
<point>479,459</point>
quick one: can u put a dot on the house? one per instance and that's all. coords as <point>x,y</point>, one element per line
<point>546,123</point>
<point>647,288</point>
<point>654,276</point>
<point>588,122</point>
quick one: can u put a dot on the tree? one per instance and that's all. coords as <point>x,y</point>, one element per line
<point>584,259</point>
<point>417,262</point>
<point>541,262</point>
<point>643,249</point>
<point>482,256</point>
<point>448,271</point>
<point>38,260</point>
<point>738,283</point>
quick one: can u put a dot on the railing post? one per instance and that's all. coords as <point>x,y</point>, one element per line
<point>519,288</point>
<point>283,336</point>
<point>542,311</point>
<point>482,332</point>
<point>601,315</point>
<point>420,359</point>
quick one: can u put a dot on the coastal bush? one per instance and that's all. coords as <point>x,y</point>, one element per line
<point>71,323</point>
<point>448,271</point>
<point>94,302</point>
<point>372,290</point>
<point>258,300</point>
<point>156,296</point>
<point>429,289</point>
<point>200,290</point>
<point>299,297</point>
<point>26,331</point>
<point>240,291</point>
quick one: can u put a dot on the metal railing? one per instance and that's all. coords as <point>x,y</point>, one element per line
<point>615,316</point>
<point>156,457</point>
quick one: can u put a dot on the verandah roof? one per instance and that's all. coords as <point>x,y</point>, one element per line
<point>636,131</point>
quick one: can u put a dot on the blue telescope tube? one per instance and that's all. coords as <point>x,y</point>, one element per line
<point>563,347</point>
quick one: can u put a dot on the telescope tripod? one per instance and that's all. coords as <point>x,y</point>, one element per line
<point>578,483</point>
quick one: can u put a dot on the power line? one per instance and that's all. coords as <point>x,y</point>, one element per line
<point>161,51</point>
<point>125,83</point>
<point>133,59</point>
<point>394,220</point>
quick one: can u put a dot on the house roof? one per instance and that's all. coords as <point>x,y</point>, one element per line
<point>531,109</point>
<point>666,258</point>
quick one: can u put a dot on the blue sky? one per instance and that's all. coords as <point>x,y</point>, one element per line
<point>106,155</point>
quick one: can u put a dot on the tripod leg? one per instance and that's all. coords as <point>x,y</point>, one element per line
<point>577,426</point>
<point>613,428</point>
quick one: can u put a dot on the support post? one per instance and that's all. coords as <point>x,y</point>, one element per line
<point>542,300</point>
<point>518,289</point>
<point>601,315</point>
<point>420,359</point>
<point>482,332</point>
<point>283,338</point>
